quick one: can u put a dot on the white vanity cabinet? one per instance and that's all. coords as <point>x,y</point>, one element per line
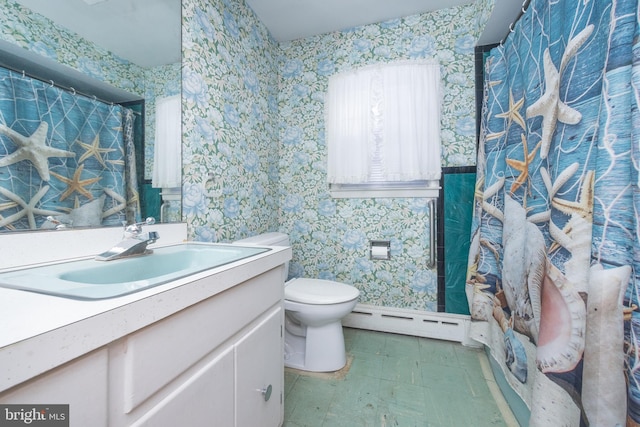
<point>206,365</point>
<point>259,384</point>
<point>82,384</point>
<point>217,362</point>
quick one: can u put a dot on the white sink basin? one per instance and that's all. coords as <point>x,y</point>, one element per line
<point>89,279</point>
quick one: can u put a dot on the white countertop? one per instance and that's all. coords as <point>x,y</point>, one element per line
<point>39,332</point>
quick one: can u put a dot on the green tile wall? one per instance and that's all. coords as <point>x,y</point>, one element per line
<point>458,205</point>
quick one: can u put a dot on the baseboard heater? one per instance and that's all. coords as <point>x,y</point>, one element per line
<point>427,324</point>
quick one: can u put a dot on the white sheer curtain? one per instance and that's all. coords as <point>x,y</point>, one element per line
<point>167,149</point>
<point>348,122</point>
<point>383,123</point>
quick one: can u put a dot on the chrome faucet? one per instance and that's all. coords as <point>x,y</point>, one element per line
<point>134,242</point>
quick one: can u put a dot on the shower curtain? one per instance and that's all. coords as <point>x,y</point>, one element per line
<point>65,159</point>
<point>554,268</point>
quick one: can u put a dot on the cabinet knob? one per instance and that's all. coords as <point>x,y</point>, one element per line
<point>266,392</point>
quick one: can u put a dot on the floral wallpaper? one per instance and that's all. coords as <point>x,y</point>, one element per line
<point>254,148</point>
<point>340,229</point>
<point>230,112</point>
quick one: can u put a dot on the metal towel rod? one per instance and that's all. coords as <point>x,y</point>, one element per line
<point>432,233</point>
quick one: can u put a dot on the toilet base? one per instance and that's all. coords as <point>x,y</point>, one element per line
<point>294,352</point>
<point>322,350</point>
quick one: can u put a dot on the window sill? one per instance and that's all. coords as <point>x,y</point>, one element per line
<point>370,192</point>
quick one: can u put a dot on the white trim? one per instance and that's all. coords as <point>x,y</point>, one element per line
<point>369,191</point>
<point>427,324</point>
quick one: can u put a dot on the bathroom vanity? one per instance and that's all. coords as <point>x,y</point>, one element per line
<point>202,350</point>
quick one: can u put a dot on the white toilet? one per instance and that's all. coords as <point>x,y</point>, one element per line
<point>314,309</point>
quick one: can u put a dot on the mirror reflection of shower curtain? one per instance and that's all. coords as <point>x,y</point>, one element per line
<point>62,155</point>
<point>133,209</point>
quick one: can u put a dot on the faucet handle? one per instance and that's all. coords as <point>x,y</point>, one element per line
<point>136,228</point>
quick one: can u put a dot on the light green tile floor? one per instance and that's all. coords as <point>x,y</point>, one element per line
<point>398,380</point>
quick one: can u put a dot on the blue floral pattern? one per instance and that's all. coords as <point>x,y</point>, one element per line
<point>264,102</point>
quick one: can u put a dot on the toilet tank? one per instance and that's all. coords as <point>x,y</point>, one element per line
<point>268,239</point>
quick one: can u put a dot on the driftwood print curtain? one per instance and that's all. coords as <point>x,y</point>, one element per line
<point>554,269</point>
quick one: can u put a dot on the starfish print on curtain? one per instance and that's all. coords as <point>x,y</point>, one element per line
<point>33,148</point>
<point>76,184</point>
<point>522,166</point>
<point>94,150</point>
<point>549,106</point>
<point>568,255</point>
<point>513,114</point>
<point>28,209</point>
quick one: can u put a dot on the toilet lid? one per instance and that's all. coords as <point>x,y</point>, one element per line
<point>319,291</point>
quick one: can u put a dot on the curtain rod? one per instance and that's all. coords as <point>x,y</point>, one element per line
<point>54,84</point>
<point>523,9</point>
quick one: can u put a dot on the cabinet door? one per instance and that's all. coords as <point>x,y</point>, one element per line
<point>81,384</point>
<point>260,374</point>
<point>205,399</point>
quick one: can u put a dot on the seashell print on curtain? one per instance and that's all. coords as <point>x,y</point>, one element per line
<point>554,268</point>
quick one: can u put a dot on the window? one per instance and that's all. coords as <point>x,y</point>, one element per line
<point>383,131</point>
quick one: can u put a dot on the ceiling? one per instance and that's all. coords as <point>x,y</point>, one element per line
<point>147,32</point>
<point>296,19</point>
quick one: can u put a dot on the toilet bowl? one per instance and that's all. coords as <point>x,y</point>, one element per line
<point>314,309</point>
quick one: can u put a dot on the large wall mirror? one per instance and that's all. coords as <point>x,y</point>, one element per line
<point>89,88</point>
